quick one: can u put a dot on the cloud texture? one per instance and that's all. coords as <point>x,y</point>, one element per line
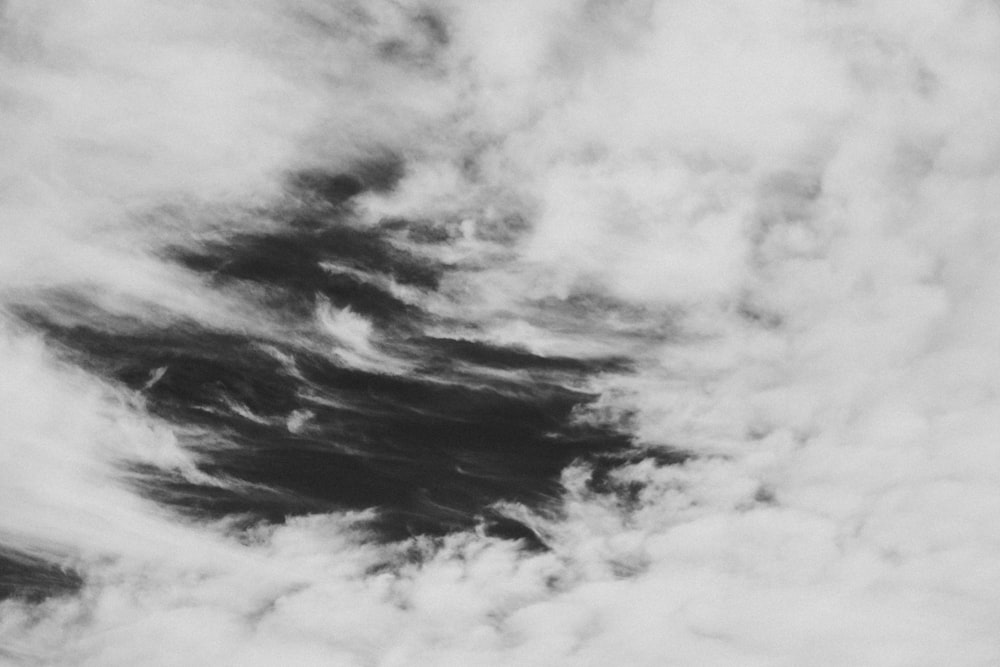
<point>784,212</point>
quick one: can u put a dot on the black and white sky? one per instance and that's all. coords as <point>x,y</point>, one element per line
<point>500,332</point>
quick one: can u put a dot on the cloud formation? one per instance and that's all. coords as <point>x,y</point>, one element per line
<point>783,212</point>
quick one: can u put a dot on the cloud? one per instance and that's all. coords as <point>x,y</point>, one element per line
<point>783,213</point>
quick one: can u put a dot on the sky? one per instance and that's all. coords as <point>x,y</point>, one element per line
<point>781,214</point>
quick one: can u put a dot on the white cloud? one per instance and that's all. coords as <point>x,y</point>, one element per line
<point>805,193</point>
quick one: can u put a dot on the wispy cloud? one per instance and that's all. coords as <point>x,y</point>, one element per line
<point>782,212</point>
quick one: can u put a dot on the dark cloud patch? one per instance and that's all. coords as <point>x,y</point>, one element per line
<point>286,427</point>
<point>33,580</point>
<point>429,452</point>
